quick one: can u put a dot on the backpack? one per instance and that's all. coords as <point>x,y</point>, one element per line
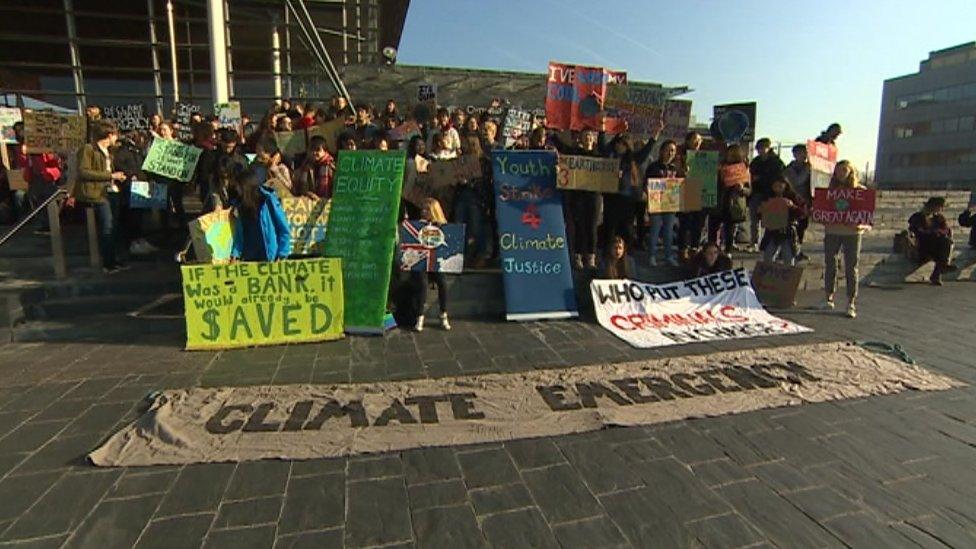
<point>905,244</point>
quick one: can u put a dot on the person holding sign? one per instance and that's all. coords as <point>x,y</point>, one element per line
<point>934,237</point>
<point>97,187</point>
<point>261,230</point>
<point>779,214</point>
<point>691,225</point>
<point>430,214</point>
<point>581,208</point>
<point>662,224</point>
<point>839,237</point>
<point>733,191</point>
<point>620,209</point>
<point>174,188</point>
<point>798,175</point>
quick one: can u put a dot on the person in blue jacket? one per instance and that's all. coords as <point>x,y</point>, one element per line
<point>261,231</point>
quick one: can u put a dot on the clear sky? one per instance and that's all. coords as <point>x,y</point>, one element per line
<point>806,63</point>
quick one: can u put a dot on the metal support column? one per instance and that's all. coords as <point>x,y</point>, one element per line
<point>276,63</point>
<point>288,50</point>
<point>345,34</point>
<point>172,53</point>
<point>218,51</point>
<point>230,51</point>
<point>69,16</point>
<point>153,43</point>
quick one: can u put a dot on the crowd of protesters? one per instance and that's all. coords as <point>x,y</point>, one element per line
<point>247,170</point>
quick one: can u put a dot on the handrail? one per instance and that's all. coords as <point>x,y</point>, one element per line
<point>27,219</point>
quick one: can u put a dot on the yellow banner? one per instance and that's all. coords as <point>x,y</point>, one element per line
<point>245,304</point>
<point>587,173</point>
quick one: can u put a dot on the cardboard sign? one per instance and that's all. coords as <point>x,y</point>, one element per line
<point>212,236</point>
<point>15,176</point>
<point>443,173</point>
<point>362,230</point>
<point>713,307</point>
<point>427,93</point>
<point>574,94</point>
<point>145,195</point>
<point>229,115</point>
<point>291,143</point>
<point>775,213</point>
<point>532,236</point>
<point>588,173</point>
<point>664,194</point>
<point>703,169</point>
<point>517,122</point>
<point>736,122</point>
<point>52,132</point>
<point>823,159</point>
<point>308,220</point>
<point>776,284</point>
<point>330,132</point>
<point>853,207</point>
<point>677,118</point>
<point>182,115</point>
<point>426,247</point>
<point>172,159</point>
<point>127,117</point>
<point>735,174</point>
<point>8,117</point>
<point>640,107</point>
<point>258,303</point>
<point>405,131</point>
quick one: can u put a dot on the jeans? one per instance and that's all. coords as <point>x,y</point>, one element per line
<point>106,228</point>
<point>582,208</point>
<point>851,244</point>
<point>468,210</point>
<point>781,247</point>
<point>662,225</point>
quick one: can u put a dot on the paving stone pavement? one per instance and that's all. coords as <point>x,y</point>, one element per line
<point>892,471</point>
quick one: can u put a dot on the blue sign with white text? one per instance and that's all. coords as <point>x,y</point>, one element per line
<point>532,236</point>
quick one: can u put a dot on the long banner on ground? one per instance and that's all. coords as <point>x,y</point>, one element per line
<point>709,308</point>
<point>245,304</point>
<point>532,236</point>
<point>321,421</point>
<point>362,230</point>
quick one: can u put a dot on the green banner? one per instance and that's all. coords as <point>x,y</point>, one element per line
<point>170,158</point>
<point>362,231</point>
<point>703,167</point>
<point>245,304</point>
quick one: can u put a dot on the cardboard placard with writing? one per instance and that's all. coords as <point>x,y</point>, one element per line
<point>641,107</point>
<point>775,213</point>
<point>330,132</point>
<point>588,173</point>
<point>212,236</point>
<point>664,194</point>
<point>405,131</point>
<point>703,168</point>
<point>262,303</point>
<point>517,122</point>
<point>574,94</point>
<point>52,132</point>
<point>172,159</point>
<point>147,195</point>
<point>229,115</point>
<point>852,207</point>
<point>182,115</point>
<point>691,196</point>
<point>445,173</point>
<point>8,117</point>
<point>426,247</point>
<point>776,284</point>
<point>308,220</point>
<point>823,158</point>
<point>735,174</point>
<point>290,143</point>
<point>677,118</point>
<point>127,117</point>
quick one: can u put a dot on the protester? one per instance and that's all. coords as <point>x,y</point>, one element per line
<point>489,136</point>
<point>128,157</point>
<point>154,121</point>
<point>662,224</point>
<point>97,187</point>
<point>417,164</point>
<point>470,127</point>
<point>691,225</point>
<point>732,203</point>
<point>780,242</point>
<point>261,230</point>
<point>228,165</point>
<point>968,219</point>
<point>798,175</point>
<point>205,139</point>
<point>442,148</point>
<point>765,168</point>
<point>709,260</point>
<point>174,188</point>
<point>469,207</point>
<point>347,142</point>
<point>933,237</point>
<point>430,213</point>
<point>842,237</point>
<point>581,208</point>
<point>364,129</point>
<point>268,168</point>
<point>391,113</point>
<point>93,113</point>
<point>617,265</point>
<point>43,173</point>
<point>315,175</point>
<point>619,208</point>
<point>443,126</point>
<point>830,135</point>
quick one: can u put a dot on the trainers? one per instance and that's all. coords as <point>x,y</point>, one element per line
<point>851,311</point>
<point>420,324</point>
<point>652,261</point>
<point>445,323</point>
<point>672,262</point>
<point>827,305</point>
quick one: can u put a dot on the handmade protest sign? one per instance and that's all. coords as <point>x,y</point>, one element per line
<point>362,229</point>
<point>182,115</point>
<point>735,174</point>
<point>170,158</point>
<point>588,173</point>
<point>8,117</point>
<point>262,303</point>
<point>147,195</point>
<point>664,194</point>
<point>641,107</point>
<point>426,247</point>
<point>127,117</point>
<point>703,168</point>
<point>735,122</point>
<point>443,173</point>
<point>290,143</point>
<point>212,236</point>
<point>574,93</point>
<point>517,122</point>
<point>776,284</point>
<point>775,213</point>
<point>15,176</point>
<point>329,131</point>
<point>228,115</point>
<point>308,220</point>
<point>427,93</point>
<point>677,118</point>
<point>854,207</point>
<point>52,132</point>
<point>823,158</point>
<point>709,308</point>
<point>404,131</point>
<point>532,236</point>
<point>286,422</point>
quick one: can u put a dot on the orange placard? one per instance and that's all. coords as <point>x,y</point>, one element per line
<point>734,174</point>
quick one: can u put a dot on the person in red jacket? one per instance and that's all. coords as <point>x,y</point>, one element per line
<point>43,172</point>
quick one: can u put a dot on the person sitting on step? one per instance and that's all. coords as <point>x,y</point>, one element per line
<point>709,260</point>
<point>934,237</point>
<point>968,219</point>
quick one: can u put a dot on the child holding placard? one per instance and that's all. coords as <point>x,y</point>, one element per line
<point>780,214</point>
<point>430,213</point>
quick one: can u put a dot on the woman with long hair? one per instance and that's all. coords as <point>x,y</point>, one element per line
<point>430,214</point>
<point>662,224</point>
<point>261,231</point>
<point>839,237</point>
<point>732,207</point>
<point>617,265</point>
<point>620,209</point>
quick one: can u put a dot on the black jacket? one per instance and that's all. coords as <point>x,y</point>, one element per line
<point>765,169</point>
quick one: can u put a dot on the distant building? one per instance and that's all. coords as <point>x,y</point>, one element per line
<point>927,136</point>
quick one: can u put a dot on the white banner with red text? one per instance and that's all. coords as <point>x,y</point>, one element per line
<point>712,307</point>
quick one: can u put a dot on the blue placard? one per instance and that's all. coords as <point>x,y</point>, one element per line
<point>431,248</point>
<point>532,236</point>
<point>147,195</point>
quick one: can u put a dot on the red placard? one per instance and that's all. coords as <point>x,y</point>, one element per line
<point>823,158</point>
<point>852,207</point>
<point>574,95</point>
<point>734,174</point>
